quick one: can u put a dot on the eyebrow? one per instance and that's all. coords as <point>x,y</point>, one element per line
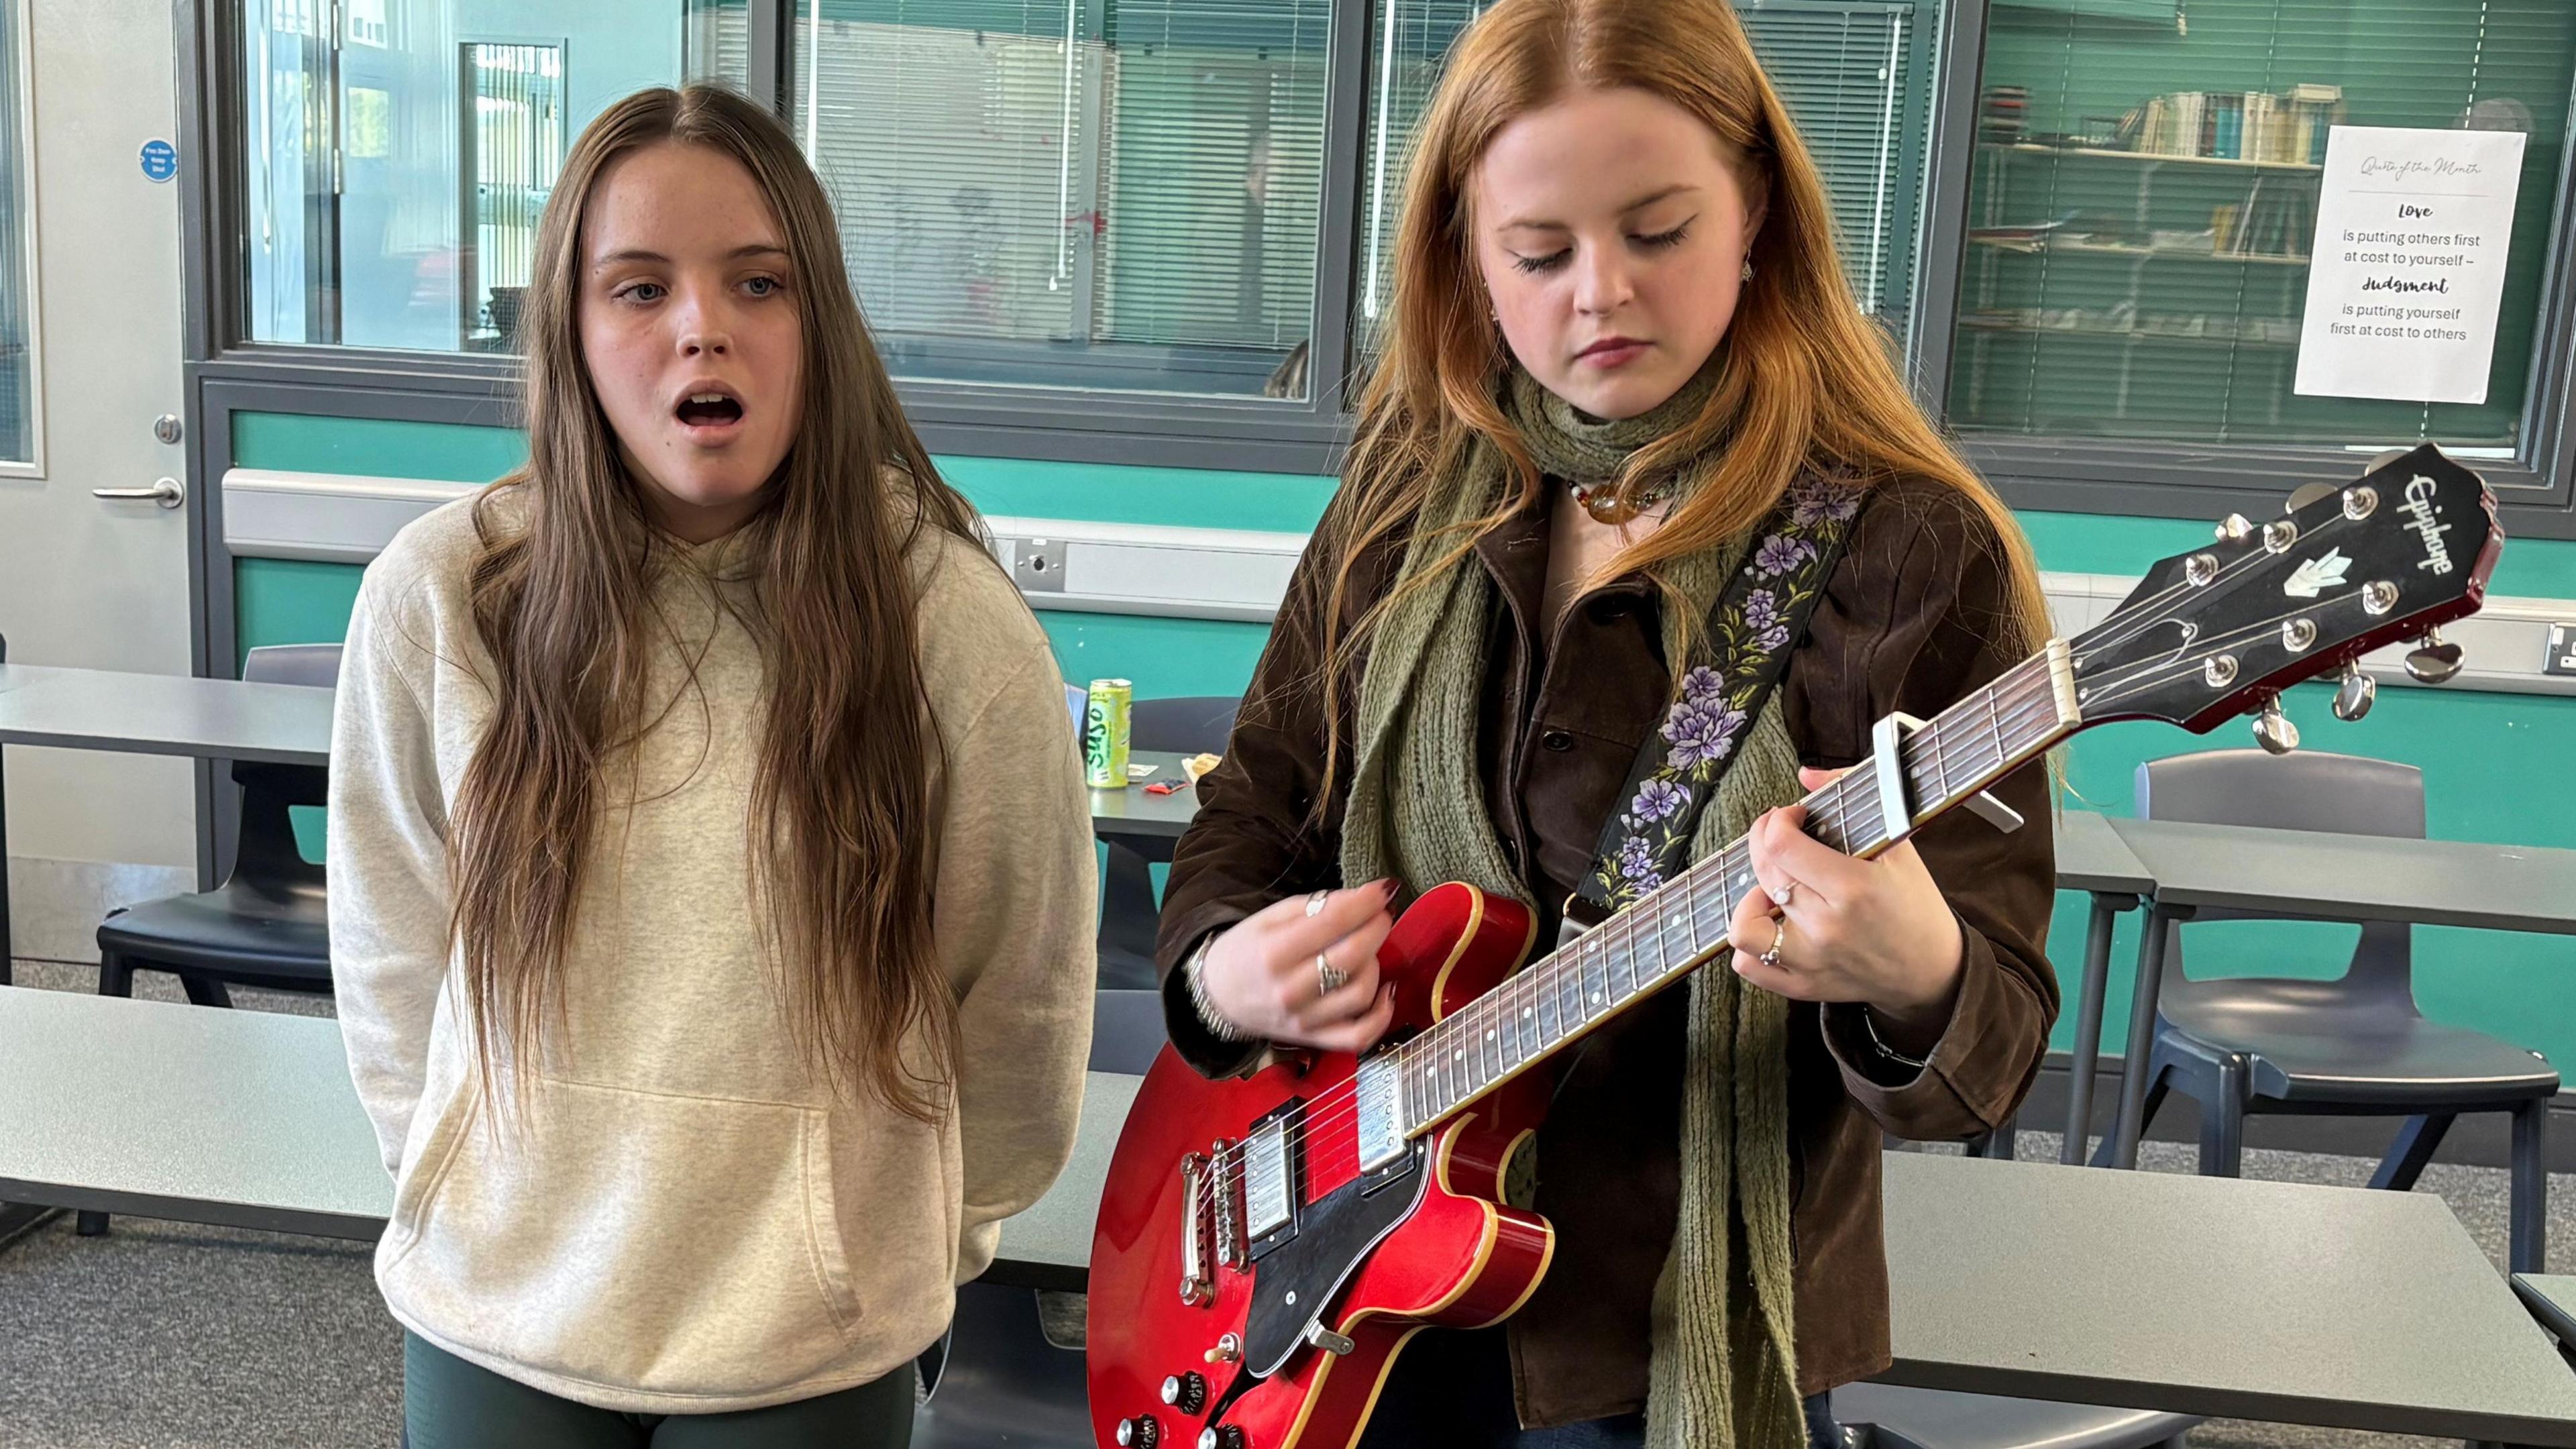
<point>1640,204</point>
<point>640,254</point>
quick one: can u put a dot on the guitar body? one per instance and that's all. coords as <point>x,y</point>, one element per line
<point>1372,1257</point>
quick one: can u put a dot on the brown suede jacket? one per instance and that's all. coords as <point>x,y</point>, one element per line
<point>1907,623</point>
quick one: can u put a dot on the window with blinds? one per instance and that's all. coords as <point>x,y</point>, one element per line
<point>17,253</point>
<point>1852,72</point>
<point>515,137</point>
<point>1105,194</point>
<point>394,157</point>
<point>715,40</point>
<point>2144,200</point>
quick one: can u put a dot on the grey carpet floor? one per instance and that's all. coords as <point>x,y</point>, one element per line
<point>170,1336</point>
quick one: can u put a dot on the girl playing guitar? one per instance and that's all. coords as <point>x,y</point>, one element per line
<point>1624,367</point>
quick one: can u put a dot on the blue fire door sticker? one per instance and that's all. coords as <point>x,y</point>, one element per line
<point>160,160</point>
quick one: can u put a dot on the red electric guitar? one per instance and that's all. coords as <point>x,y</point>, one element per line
<point>1267,1245</point>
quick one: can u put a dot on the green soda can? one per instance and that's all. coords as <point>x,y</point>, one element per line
<point>1104,733</point>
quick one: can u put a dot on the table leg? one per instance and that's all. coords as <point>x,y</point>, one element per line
<point>2142,1038</point>
<point>2088,1027</point>
<point>6,951</point>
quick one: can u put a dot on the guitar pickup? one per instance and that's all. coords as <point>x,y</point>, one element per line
<point>1271,1179</point>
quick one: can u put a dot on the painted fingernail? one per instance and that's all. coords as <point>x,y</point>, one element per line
<point>1387,887</point>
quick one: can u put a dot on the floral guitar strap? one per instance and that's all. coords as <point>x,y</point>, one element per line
<point>1759,618</point>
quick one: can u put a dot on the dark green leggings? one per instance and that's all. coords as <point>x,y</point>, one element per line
<point>451,1404</point>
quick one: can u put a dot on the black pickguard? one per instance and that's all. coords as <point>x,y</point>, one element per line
<point>1333,1236</point>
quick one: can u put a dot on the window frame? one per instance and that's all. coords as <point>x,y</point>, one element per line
<point>22,15</point>
<point>2535,489</point>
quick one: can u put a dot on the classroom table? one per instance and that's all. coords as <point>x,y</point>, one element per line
<point>248,1119</point>
<point>2320,876</point>
<point>2274,1301</point>
<point>1131,813</point>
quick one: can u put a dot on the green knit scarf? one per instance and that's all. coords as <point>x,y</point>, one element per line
<point>1723,1374</point>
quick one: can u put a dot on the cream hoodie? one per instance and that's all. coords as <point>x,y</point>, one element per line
<point>686,1218</point>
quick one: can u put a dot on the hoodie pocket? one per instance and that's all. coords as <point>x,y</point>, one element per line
<point>637,1240</point>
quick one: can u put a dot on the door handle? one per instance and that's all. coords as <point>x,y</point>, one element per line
<point>168,492</point>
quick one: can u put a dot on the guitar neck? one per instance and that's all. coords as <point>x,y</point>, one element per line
<point>1671,932</point>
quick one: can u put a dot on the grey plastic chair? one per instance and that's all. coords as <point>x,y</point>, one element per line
<point>2355,1045</point>
<point>1127,1030</point>
<point>1884,1417</point>
<point>1193,724</point>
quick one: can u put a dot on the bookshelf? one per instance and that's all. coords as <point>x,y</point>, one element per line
<point>2112,153</point>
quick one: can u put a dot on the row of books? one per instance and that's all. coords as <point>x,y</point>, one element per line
<point>2289,127</point>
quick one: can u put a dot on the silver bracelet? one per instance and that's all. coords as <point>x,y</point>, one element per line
<point>1195,970</point>
<point>1869,1023</point>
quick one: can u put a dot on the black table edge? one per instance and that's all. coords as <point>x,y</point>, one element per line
<point>2207,1403</point>
<point>2557,1320</point>
<point>261,1217</point>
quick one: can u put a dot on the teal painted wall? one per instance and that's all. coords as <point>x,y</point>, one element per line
<point>2495,764</point>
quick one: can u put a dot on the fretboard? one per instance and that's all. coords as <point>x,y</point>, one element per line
<point>1673,930</point>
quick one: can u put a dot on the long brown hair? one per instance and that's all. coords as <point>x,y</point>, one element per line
<point>1805,380</point>
<point>839,814</point>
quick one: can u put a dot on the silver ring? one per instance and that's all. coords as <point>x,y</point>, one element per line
<point>1328,979</point>
<point>1315,903</point>
<point>1779,933</point>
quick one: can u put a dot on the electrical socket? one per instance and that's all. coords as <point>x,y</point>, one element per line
<point>1037,565</point>
<point>2561,658</point>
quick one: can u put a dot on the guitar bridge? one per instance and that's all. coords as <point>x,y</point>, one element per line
<point>1196,1289</point>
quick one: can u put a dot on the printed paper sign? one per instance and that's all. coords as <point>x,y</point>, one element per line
<point>2407,268</point>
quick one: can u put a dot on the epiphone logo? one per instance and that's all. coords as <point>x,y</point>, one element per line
<point>2419,512</point>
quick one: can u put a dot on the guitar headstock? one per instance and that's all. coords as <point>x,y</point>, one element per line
<point>2222,630</point>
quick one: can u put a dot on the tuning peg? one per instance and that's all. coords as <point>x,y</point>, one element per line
<point>2433,660</point>
<point>2307,493</point>
<point>2354,694</point>
<point>2233,528</point>
<point>2273,730</point>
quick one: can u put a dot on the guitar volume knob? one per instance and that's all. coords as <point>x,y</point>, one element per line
<point>1223,1436</point>
<point>1185,1392</point>
<point>1140,1432</point>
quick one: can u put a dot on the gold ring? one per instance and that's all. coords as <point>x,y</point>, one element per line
<point>1787,889</point>
<point>1779,933</point>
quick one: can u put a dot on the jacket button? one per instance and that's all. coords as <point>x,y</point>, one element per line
<point>1557,740</point>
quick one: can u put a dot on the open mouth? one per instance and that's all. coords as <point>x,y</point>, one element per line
<point>709,410</point>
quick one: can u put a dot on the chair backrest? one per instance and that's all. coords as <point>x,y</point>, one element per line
<point>265,854</point>
<point>1126,1031</point>
<point>316,664</point>
<point>1192,724</point>
<point>2303,790</point>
